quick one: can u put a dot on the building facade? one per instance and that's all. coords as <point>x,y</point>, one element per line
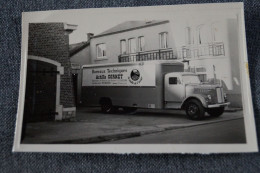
<point>131,41</point>
<point>207,46</point>
<point>211,50</point>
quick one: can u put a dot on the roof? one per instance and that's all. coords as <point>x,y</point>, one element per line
<point>131,25</point>
<point>77,47</point>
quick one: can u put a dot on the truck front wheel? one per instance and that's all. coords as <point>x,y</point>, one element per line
<point>216,112</point>
<point>195,110</point>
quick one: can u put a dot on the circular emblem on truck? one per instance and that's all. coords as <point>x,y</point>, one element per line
<point>135,75</point>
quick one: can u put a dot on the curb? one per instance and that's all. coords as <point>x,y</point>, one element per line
<point>98,139</point>
<point>154,129</point>
<point>233,109</point>
<point>180,126</point>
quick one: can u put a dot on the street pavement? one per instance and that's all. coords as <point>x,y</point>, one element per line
<point>92,126</point>
<point>232,131</point>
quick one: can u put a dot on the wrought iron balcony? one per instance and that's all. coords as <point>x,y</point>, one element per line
<point>186,52</point>
<point>197,51</point>
<point>160,54</point>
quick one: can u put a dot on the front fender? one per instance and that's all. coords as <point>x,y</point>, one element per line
<point>198,97</point>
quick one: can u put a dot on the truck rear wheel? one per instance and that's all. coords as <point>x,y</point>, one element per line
<point>106,106</point>
<point>216,112</point>
<point>195,110</point>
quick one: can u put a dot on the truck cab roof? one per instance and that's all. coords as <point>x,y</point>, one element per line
<point>180,74</point>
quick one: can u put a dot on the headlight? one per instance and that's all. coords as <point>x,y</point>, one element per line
<point>208,98</point>
<point>225,96</point>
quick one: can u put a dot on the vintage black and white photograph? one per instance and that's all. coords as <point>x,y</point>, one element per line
<point>117,79</point>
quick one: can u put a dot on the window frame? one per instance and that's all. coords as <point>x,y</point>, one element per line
<point>104,55</point>
<point>188,35</point>
<point>139,43</point>
<point>177,81</point>
<point>129,48</point>
<point>124,46</point>
<point>166,40</point>
<point>199,30</point>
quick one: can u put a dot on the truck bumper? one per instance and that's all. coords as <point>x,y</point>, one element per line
<point>219,105</point>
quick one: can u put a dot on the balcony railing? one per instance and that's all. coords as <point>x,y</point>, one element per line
<point>197,51</point>
<point>185,52</point>
<point>161,54</point>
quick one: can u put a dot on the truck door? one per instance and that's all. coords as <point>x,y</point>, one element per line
<point>173,89</point>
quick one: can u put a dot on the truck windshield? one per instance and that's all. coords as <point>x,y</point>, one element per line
<point>191,79</point>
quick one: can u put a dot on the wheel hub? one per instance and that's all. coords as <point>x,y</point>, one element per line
<point>193,109</point>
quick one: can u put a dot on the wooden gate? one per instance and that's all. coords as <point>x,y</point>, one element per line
<point>40,96</point>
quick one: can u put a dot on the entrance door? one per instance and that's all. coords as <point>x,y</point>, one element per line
<point>40,96</point>
<point>174,89</point>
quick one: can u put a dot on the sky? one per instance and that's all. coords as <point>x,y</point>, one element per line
<point>98,20</point>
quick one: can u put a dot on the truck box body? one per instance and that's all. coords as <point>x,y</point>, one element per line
<point>136,84</point>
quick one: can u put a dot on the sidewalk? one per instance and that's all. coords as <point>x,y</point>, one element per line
<point>93,126</point>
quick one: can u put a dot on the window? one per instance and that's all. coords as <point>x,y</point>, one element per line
<point>123,47</point>
<point>141,43</point>
<point>163,40</point>
<point>202,77</point>
<point>190,79</point>
<point>216,32</point>
<point>202,37</point>
<point>199,32</point>
<point>131,45</point>
<point>173,80</point>
<point>202,73</point>
<point>188,35</point>
<point>101,50</point>
<point>200,69</point>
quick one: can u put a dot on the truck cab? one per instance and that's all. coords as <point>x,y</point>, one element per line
<point>183,90</point>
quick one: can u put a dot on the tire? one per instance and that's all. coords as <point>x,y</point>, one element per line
<point>129,109</point>
<point>106,106</point>
<point>216,112</point>
<point>195,110</point>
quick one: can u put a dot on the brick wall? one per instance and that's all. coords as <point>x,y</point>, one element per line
<point>50,40</point>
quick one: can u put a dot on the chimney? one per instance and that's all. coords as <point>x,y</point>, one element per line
<point>90,35</point>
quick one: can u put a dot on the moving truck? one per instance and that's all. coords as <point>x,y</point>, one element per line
<point>151,84</point>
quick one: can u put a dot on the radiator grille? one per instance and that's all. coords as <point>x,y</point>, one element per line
<point>220,95</point>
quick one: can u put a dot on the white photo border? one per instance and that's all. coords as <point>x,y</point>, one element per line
<point>250,130</point>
